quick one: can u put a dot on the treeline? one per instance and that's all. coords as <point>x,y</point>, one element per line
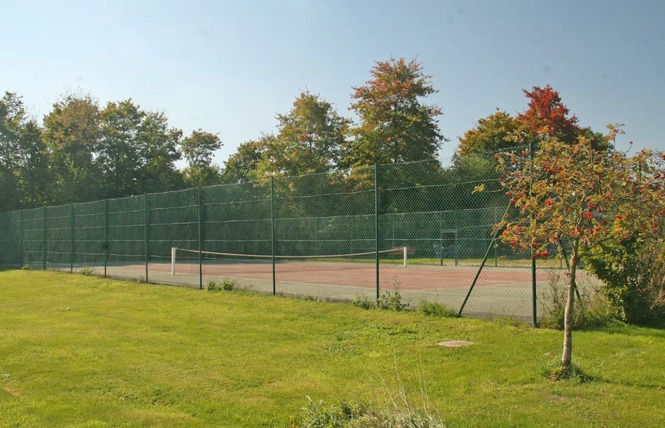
<point>83,151</point>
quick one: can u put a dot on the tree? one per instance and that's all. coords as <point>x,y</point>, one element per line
<point>309,140</point>
<point>24,180</point>
<point>158,153</point>
<point>491,134</point>
<point>71,132</point>
<point>575,197</point>
<point>547,115</point>
<point>137,151</point>
<point>198,150</point>
<point>395,126</point>
<point>243,162</point>
<point>11,117</point>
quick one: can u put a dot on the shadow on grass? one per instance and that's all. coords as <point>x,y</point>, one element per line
<point>576,374</point>
<point>655,329</point>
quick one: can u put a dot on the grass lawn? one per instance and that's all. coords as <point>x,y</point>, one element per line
<point>86,352</point>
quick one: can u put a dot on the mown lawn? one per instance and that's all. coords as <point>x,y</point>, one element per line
<point>87,352</point>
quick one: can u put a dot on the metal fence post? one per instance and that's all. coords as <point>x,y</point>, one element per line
<point>376,227</point>
<point>534,287</point>
<point>44,237</point>
<point>146,234</point>
<point>200,233</point>
<point>105,245</point>
<point>20,236</point>
<point>272,233</point>
<point>71,238</point>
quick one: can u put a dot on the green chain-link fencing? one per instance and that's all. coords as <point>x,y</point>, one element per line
<point>416,229</point>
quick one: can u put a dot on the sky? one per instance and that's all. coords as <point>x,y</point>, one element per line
<point>230,67</point>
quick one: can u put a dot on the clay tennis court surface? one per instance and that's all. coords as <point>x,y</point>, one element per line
<point>358,274</point>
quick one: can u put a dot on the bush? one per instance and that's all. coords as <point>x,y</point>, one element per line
<point>633,273</point>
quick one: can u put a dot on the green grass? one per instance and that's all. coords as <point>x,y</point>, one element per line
<point>86,352</point>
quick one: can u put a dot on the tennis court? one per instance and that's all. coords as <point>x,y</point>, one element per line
<point>498,290</point>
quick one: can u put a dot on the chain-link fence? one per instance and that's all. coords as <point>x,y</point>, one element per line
<point>424,231</point>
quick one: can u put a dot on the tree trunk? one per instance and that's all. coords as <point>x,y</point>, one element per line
<point>567,356</point>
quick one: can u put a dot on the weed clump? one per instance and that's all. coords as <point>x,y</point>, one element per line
<point>592,309</point>
<point>363,302</point>
<point>88,272</point>
<point>390,301</point>
<point>225,285</point>
<point>434,309</point>
<point>556,372</point>
<point>362,415</point>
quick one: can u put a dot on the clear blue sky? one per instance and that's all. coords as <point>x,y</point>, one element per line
<point>230,66</point>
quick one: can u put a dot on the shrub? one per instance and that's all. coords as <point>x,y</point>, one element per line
<point>633,273</point>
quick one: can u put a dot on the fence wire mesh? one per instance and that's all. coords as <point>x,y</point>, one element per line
<point>414,228</point>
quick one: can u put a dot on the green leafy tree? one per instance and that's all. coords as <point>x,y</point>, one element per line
<point>118,153</point>
<point>71,131</point>
<point>137,151</point>
<point>198,150</point>
<point>11,118</point>
<point>24,179</point>
<point>309,140</point>
<point>240,166</point>
<point>395,125</point>
<point>491,134</point>
<point>475,159</point>
<point>158,152</point>
<point>575,197</point>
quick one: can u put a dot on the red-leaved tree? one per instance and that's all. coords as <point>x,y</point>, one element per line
<point>547,115</point>
<point>577,197</point>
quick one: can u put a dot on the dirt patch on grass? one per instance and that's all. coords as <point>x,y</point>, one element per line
<point>12,392</point>
<point>455,343</point>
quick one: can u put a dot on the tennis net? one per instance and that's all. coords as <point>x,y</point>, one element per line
<point>185,260</point>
